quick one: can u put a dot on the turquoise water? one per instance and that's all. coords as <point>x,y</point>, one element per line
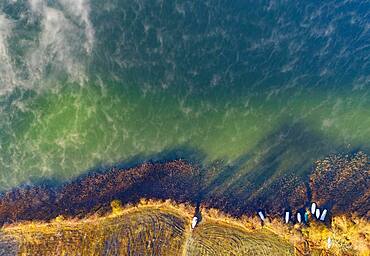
<point>92,83</point>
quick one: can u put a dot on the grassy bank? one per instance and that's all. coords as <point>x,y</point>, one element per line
<point>163,228</point>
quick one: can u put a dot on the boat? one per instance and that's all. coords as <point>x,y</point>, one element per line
<point>287,217</point>
<point>194,222</point>
<point>299,217</point>
<point>313,208</point>
<point>323,214</point>
<point>260,213</point>
<point>330,242</point>
<point>306,216</point>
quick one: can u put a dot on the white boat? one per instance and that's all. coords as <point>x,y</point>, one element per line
<point>287,217</point>
<point>313,208</point>
<point>260,213</point>
<point>330,242</point>
<point>323,215</point>
<point>299,217</point>
<point>194,222</point>
<point>317,213</point>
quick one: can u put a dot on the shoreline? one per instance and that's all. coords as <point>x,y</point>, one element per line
<point>178,180</point>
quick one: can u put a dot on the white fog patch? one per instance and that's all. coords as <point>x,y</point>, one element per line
<point>58,47</point>
<point>7,75</point>
<point>36,5</point>
<point>81,10</point>
<point>65,40</point>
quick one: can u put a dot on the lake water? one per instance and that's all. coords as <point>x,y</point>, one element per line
<point>258,84</point>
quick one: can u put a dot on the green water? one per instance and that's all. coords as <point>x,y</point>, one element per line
<point>219,80</point>
<point>81,128</point>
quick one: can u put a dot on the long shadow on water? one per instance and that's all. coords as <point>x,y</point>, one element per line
<point>274,175</point>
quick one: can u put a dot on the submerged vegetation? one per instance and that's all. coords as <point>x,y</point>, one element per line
<point>163,228</point>
<point>339,183</point>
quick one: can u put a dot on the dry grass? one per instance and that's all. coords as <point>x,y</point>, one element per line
<point>350,236</point>
<point>217,238</point>
<point>148,228</point>
<point>163,228</point>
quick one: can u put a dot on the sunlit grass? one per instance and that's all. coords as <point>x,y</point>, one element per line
<point>164,227</point>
